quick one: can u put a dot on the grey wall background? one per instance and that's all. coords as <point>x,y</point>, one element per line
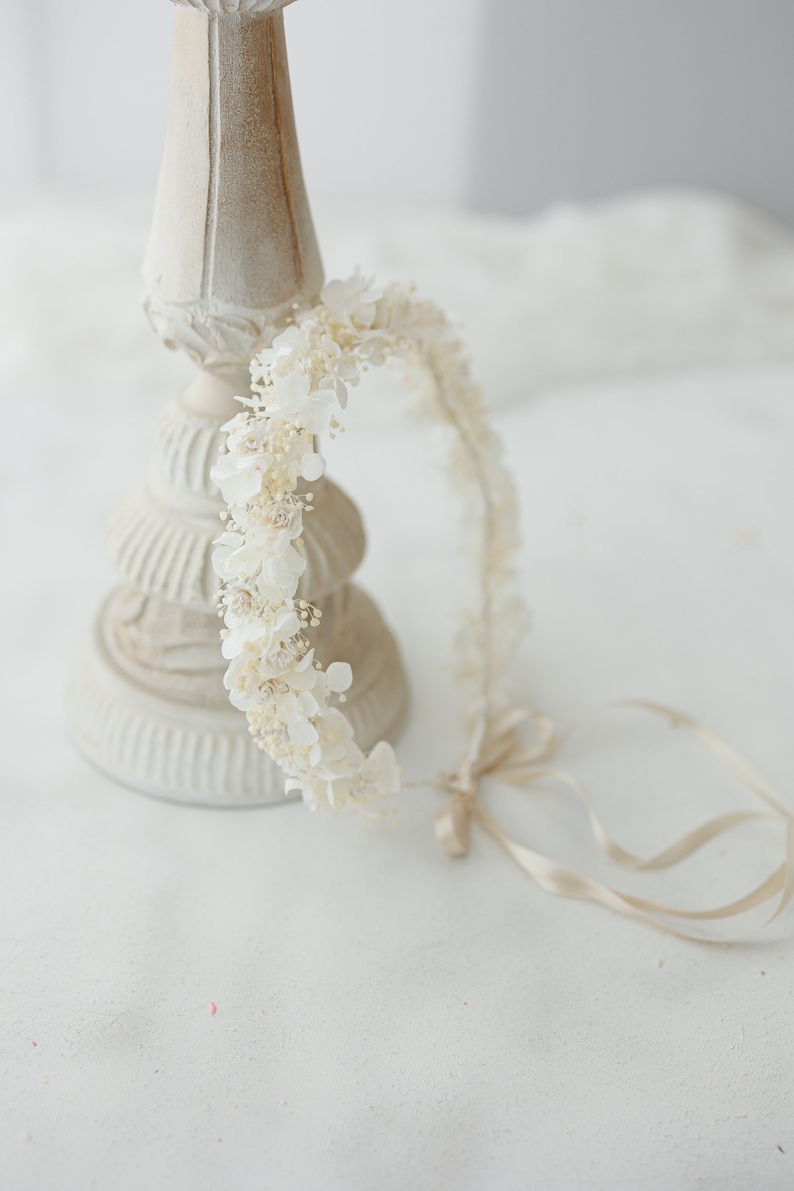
<point>506,105</point>
<point>581,98</point>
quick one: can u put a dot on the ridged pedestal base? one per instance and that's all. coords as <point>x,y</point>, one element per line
<point>205,756</point>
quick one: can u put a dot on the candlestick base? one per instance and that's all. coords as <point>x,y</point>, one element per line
<point>232,254</point>
<point>204,755</point>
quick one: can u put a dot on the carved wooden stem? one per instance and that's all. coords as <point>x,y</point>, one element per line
<point>232,242</point>
<point>232,248</point>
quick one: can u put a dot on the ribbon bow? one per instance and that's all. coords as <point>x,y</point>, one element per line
<point>496,752</point>
<point>501,756</point>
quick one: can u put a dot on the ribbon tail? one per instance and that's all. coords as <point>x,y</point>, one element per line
<point>683,847</point>
<point>452,827</point>
<point>566,882</point>
<point>730,756</point>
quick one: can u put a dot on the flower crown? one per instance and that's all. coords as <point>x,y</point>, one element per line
<point>299,389</point>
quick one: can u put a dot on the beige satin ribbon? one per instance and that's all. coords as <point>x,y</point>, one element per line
<point>499,754</point>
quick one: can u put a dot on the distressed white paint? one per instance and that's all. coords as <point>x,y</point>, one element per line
<point>232,246</point>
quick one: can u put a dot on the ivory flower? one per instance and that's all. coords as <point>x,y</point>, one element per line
<point>287,350</point>
<point>312,466</point>
<point>252,682</point>
<point>269,556</point>
<point>354,300</point>
<point>309,409</point>
<point>239,477</point>
<point>283,517</point>
<point>300,388</point>
<point>338,677</point>
<point>252,626</point>
<point>282,567</point>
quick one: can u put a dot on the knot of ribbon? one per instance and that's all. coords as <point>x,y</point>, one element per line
<point>496,752</point>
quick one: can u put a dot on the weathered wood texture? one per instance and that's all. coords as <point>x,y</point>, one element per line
<point>232,247</point>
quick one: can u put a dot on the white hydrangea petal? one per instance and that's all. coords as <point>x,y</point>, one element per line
<point>288,624</point>
<point>385,768</point>
<point>240,486</point>
<point>335,295</point>
<point>308,704</point>
<point>232,675</point>
<point>235,423</point>
<point>310,799</point>
<point>302,734</point>
<point>241,700</point>
<point>252,628</point>
<point>232,645</point>
<point>222,562</point>
<point>279,573</point>
<point>333,389</point>
<point>317,418</point>
<point>289,709</point>
<point>225,466</point>
<point>229,538</point>
<point>339,724</point>
<point>291,392</point>
<point>338,677</point>
<point>295,561</point>
<point>302,678</point>
<point>312,466</point>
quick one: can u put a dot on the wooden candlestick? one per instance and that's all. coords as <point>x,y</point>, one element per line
<point>232,248</point>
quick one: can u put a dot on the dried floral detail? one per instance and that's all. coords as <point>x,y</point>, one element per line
<point>299,389</point>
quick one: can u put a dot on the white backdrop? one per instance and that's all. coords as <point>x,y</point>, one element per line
<point>506,104</point>
<point>383,93</point>
<point>578,99</point>
<point>385,1018</point>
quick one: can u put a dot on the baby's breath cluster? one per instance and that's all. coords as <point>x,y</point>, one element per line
<point>299,389</point>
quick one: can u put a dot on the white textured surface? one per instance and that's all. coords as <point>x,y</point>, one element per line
<point>387,1017</point>
<point>647,282</point>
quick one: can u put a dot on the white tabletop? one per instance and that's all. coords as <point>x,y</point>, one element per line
<point>387,1017</point>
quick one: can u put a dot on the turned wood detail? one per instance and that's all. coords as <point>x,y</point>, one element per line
<point>232,244</point>
<point>225,7</point>
<point>232,249</point>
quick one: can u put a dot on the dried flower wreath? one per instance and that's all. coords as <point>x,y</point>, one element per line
<point>299,389</point>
